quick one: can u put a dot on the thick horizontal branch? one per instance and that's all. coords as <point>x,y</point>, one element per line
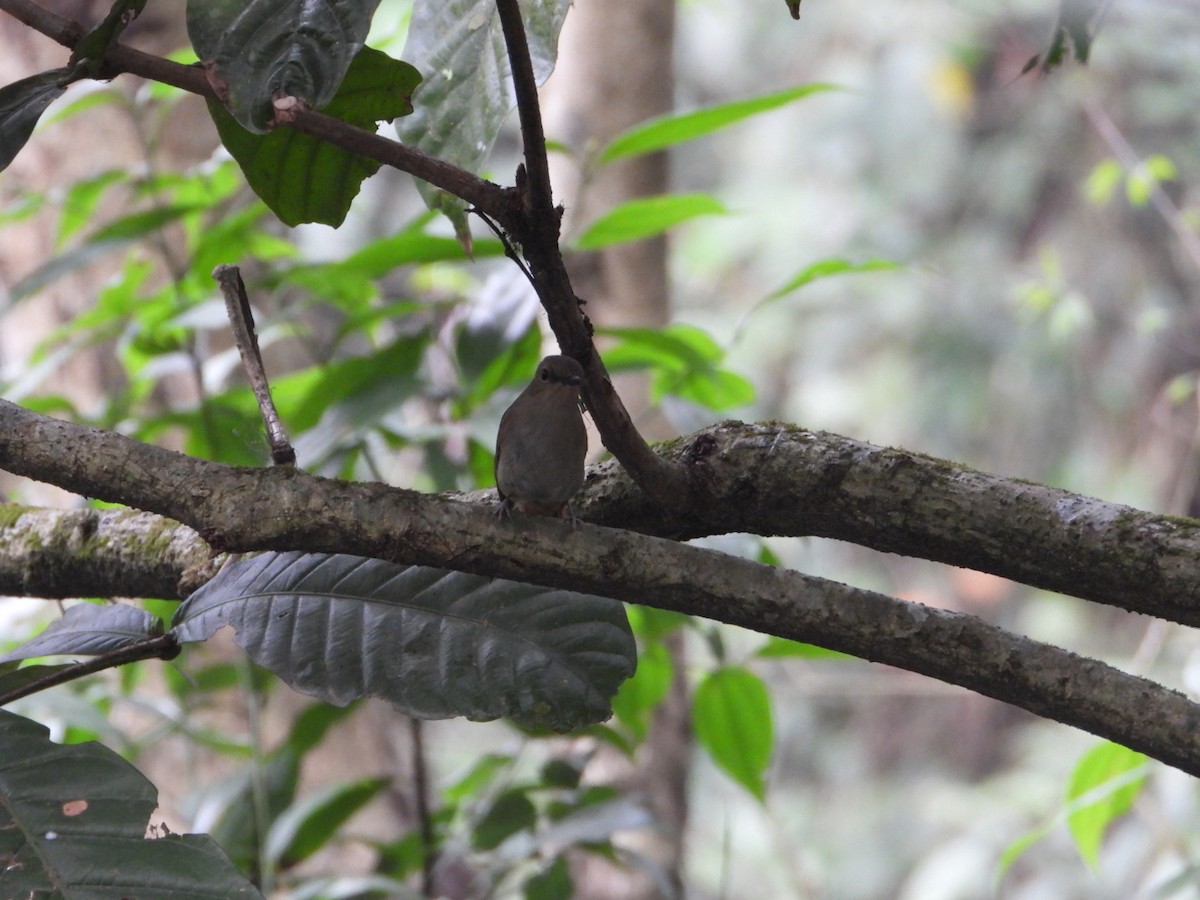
<point>777,479</point>
<point>114,552</point>
<point>248,509</point>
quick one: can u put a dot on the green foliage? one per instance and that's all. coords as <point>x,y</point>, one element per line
<point>263,49</point>
<point>22,104</point>
<point>645,217</point>
<point>96,42</point>
<point>1106,781</point>
<point>434,643</point>
<point>73,821</point>
<point>458,46</point>
<point>1102,788</point>
<point>303,179</point>
<point>684,362</point>
<point>666,131</point>
<point>731,715</point>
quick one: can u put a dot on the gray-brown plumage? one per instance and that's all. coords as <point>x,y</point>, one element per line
<point>542,442</point>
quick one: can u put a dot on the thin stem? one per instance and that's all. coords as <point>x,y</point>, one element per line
<point>241,321</point>
<point>423,809</point>
<point>162,646</point>
<point>533,135</point>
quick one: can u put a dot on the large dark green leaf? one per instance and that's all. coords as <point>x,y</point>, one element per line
<point>432,642</point>
<point>89,629</point>
<point>304,179</point>
<point>459,47</point>
<point>262,49</point>
<point>22,104</point>
<point>73,823</point>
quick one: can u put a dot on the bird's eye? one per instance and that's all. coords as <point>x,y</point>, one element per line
<point>545,374</point>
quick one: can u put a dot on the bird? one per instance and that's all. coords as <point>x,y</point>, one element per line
<point>542,442</point>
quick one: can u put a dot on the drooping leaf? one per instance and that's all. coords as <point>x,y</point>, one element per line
<point>665,131</point>
<point>827,268</point>
<point>731,715</point>
<point>467,94</point>
<point>646,217</point>
<point>87,630</point>
<point>303,179</point>
<point>1106,781</point>
<point>73,823</point>
<point>22,104</point>
<point>263,49</point>
<point>434,643</point>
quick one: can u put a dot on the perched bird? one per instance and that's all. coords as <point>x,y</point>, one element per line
<point>542,442</point>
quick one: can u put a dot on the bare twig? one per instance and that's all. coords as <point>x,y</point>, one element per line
<point>163,646</point>
<point>241,320</point>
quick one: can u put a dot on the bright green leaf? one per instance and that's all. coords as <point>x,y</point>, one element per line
<point>827,268</point>
<point>640,695</point>
<point>665,131</point>
<point>304,179</point>
<point>1103,786</point>
<point>731,715</point>
<point>1102,181</point>
<point>646,217</point>
<point>782,648</point>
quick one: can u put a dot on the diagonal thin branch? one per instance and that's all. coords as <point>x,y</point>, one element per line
<point>283,508</point>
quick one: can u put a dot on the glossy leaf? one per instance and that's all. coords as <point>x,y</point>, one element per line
<point>467,94</point>
<point>87,630</point>
<point>731,715</point>
<point>646,217</point>
<point>303,179</point>
<point>433,643</point>
<point>73,823</point>
<point>666,131</point>
<point>1103,787</point>
<point>262,49</point>
<point>22,104</point>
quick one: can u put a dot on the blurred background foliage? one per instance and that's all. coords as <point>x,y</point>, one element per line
<point>1039,321</point>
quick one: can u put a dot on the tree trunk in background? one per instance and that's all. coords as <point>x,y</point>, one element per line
<point>615,70</point>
